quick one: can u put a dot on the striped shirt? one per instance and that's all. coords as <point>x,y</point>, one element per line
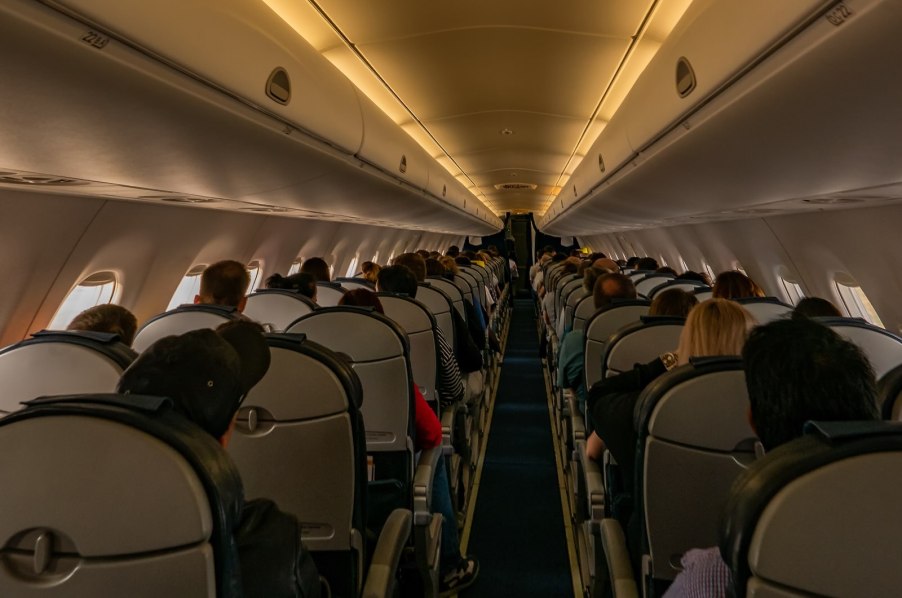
<point>450,384</point>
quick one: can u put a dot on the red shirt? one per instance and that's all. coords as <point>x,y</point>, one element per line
<point>428,428</point>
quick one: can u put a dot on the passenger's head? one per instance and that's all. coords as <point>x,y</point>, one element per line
<point>415,262</point>
<point>815,307</point>
<point>672,302</point>
<point>110,318</point>
<point>318,268</point>
<point>611,286</point>
<point>453,251</point>
<point>450,265</point>
<point>631,262</point>
<point>362,298</point>
<point>224,283</point>
<point>569,266</point>
<point>666,270</point>
<point>463,260</point>
<point>690,275</point>
<point>590,275</point>
<point>798,370</point>
<point>735,285</point>
<point>397,279</point>
<point>301,282</point>
<point>206,373</point>
<point>423,253</point>
<point>647,263</point>
<point>714,327</point>
<point>370,271</point>
<point>607,264</point>
<point>434,267</point>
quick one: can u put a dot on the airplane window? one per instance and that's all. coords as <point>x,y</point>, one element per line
<point>352,268</point>
<point>737,266</point>
<point>684,267</point>
<point>254,268</point>
<point>793,290</point>
<point>709,271</point>
<point>375,259</point>
<point>857,303</point>
<point>295,266</point>
<point>96,289</point>
<point>188,287</point>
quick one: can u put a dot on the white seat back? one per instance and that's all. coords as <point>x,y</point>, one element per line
<point>277,308</point>
<point>180,320</point>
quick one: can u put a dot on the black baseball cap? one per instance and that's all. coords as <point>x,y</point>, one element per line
<point>206,373</point>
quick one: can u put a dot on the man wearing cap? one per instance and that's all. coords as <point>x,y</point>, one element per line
<point>207,374</point>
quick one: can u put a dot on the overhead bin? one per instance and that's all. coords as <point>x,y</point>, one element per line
<point>713,44</point>
<point>386,145</point>
<point>237,45</point>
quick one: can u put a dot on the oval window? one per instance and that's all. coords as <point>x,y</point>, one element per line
<point>96,289</point>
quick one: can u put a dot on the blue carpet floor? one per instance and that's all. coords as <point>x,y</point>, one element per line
<point>518,530</point>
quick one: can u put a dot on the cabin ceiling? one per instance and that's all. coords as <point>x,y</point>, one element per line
<point>507,95</point>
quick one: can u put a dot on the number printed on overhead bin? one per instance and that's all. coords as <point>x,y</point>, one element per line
<point>838,14</point>
<point>95,39</point>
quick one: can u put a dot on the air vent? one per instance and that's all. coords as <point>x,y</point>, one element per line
<point>601,165</point>
<point>278,86</point>
<point>832,200</point>
<point>39,180</point>
<point>685,77</point>
<point>516,186</point>
<point>403,165</point>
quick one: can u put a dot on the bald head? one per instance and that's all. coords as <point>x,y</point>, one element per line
<point>612,286</point>
<point>606,264</point>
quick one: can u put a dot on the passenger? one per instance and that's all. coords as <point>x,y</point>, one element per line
<point>453,251</point>
<point>207,375</point>
<point>672,302</point>
<point>795,370</point>
<point>224,283</point>
<point>606,264</point>
<point>815,307</point>
<point>647,263</point>
<point>434,267</point>
<point>608,286</point>
<point>569,267</point>
<point>450,266</point>
<point>109,318</point>
<point>302,283</point>
<point>666,270</point>
<point>370,271</point>
<point>317,267</point>
<point>423,253</point>
<point>631,263</point>
<point>401,279</point>
<point>590,275</point>
<point>456,572</point>
<point>696,276</point>
<point>735,285</point>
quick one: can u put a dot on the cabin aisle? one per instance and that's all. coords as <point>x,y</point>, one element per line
<point>518,528</point>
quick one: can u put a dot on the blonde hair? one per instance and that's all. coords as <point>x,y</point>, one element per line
<point>714,327</point>
<point>449,264</point>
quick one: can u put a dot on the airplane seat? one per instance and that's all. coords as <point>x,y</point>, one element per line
<point>439,305</point>
<point>562,284</point>
<point>646,284</point>
<point>601,326</point>
<point>703,294</point>
<point>639,342</point>
<point>69,362</point>
<point>451,290</point>
<point>569,287</point>
<point>420,326</point>
<point>182,319</point>
<point>584,308</point>
<point>889,389</point>
<point>819,515</point>
<point>694,439</point>
<point>328,294</point>
<point>637,275</point>
<point>356,283</point>
<point>300,442</point>
<point>277,307</point>
<point>115,495</point>
<point>379,354</point>
<point>569,314</point>
<point>765,309</point>
<point>464,286</point>
<point>882,348</point>
<point>690,286</point>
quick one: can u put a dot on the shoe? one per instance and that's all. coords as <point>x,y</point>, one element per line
<point>459,577</point>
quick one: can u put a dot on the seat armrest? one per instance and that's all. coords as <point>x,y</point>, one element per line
<point>447,422</point>
<point>594,484</point>
<point>577,423</point>
<point>380,579</point>
<point>617,555</point>
<point>422,484</point>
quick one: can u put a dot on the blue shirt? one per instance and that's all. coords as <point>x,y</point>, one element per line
<point>570,363</point>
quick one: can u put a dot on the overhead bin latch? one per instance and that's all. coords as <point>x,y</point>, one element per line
<point>278,86</point>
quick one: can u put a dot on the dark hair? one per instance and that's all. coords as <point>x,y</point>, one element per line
<point>302,282</point>
<point>453,251</point>
<point>815,307</point>
<point>672,302</point>
<point>362,298</point>
<point>666,270</point>
<point>108,317</point>
<point>647,263</point>
<point>733,284</point>
<point>690,275</point>
<point>318,267</point>
<point>224,283</point>
<point>799,370</point>
<point>423,253</point>
<point>463,261</point>
<point>631,262</point>
<point>397,279</point>
<point>434,267</point>
<point>415,262</point>
<point>612,286</point>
